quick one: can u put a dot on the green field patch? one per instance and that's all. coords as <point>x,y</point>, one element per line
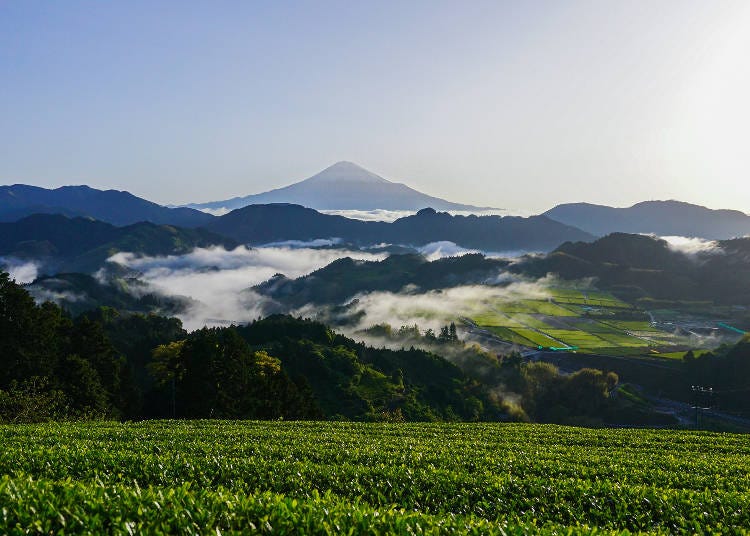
<point>511,336</point>
<point>527,320</point>
<point>624,340</point>
<point>578,338</point>
<point>632,325</point>
<point>491,319</point>
<point>538,339</point>
<point>588,297</point>
<point>680,355</point>
<point>552,309</point>
<point>517,307</point>
<point>592,326</point>
<point>534,307</point>
<point>622,351</point>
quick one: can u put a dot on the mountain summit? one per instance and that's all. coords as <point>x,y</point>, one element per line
<point>342,186</point>
<point>342,172</point>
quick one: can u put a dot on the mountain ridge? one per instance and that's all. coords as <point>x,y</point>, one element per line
<point>663,218</point>
<point>262,224</point>
<point>117,207</point>
<point>60,243</point>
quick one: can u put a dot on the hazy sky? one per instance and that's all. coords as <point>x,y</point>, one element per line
<point>513,104</point>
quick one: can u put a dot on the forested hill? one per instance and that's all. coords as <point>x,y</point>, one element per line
<point>107,364</point>
<point>112,206</point>
<point>83,244</point>
<point>663,218</point>
<point>260,224</point>
<point>636,266</point>
<point>344,278</point>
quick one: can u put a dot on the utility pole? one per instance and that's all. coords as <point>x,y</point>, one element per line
<point>703,399</point>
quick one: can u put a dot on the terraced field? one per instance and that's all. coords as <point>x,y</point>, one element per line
<point>585,320</point>
<point>209,477</point>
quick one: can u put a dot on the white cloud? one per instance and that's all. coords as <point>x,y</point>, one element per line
<point>19,270</point>
<point>380,214</point>
<point>435,308</point>
<point>692,245</point>
<point>60,297</point>
<point>216,211</point>
<point>317,243</point>
<point>218,278</point>
<point>442,249</point>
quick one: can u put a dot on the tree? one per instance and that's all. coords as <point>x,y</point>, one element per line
<point>89,342</point>
<point>32,400</point>
<point>83,387</point>
<point>30,335</point>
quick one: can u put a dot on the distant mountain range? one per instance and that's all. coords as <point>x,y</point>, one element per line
<point>111,206</point>
<point>663,218</point>
<point>344,185</point>
<point>63,244</point>
<point>262,224</point>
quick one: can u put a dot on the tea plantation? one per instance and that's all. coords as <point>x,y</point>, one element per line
<point>217,477</point>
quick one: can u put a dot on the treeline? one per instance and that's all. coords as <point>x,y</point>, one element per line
<point>104,364</point>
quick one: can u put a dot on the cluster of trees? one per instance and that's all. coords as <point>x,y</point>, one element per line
<point>412,333</point>
<point>107,364</point>
<point>545,395</point>
<point>104,364</point>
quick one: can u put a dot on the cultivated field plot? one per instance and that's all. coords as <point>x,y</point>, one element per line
<point>589,321</point>
<point>209,477</point>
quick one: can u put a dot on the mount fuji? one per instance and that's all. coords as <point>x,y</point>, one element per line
<point>342,186</point>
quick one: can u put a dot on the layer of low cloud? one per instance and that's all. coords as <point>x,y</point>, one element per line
<point>219,279</point>
<point>371,215</point>
<point>19,270</point>
<point>392,215</point>
<point>692,245</point>
<point>60,297</point>
<point>442,249</point>
<point>216,211</point>
<point>317,243</point>
<point>434,309</point>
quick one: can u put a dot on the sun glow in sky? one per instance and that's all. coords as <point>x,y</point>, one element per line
<point>509,104</point>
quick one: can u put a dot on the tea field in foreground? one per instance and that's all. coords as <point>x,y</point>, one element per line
<point>212,477</point>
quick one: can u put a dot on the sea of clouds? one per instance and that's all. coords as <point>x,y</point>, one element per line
<point>220,279</point>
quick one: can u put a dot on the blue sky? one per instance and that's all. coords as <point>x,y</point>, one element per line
<point>511,104</point>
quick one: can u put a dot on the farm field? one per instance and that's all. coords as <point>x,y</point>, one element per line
<point>591,322</point>
<point>214,477</point>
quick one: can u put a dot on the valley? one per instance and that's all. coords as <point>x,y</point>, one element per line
<point>596,322</point>
<point>374,268</point>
